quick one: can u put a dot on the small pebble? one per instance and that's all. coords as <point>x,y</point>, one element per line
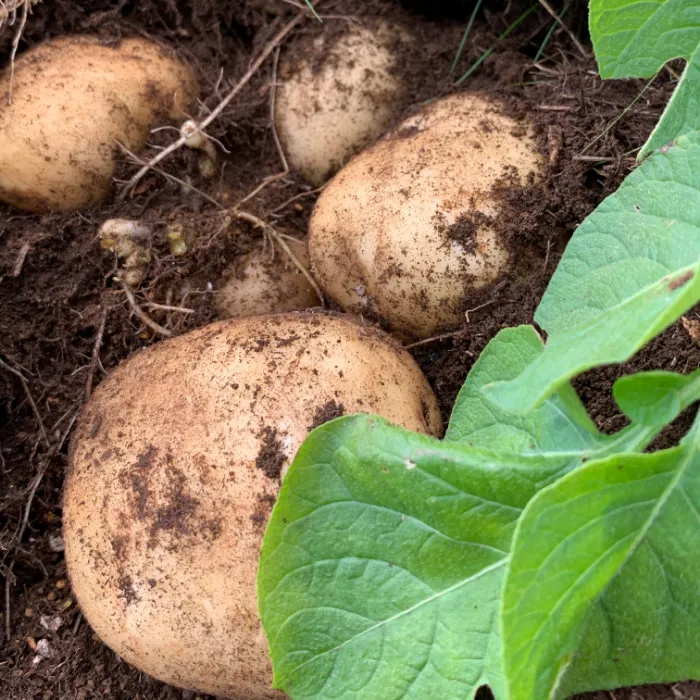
<point>56,543</point>
<point>53,624</point>
<point>44,651</point>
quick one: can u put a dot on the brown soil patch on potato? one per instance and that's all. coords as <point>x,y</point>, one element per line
<point>57,292</point>
<point>271,457</point>
<point>329,411</point>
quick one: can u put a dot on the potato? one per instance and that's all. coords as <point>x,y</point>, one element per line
<point>403,231</point>
<point>337,99</point>
<point>264,282</point>
<point>71,99</point>
<point>175,466</point>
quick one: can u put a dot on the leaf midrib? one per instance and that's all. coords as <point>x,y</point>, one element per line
<point>614,310</point>
<point>398,616</point>
<point>673,483</point>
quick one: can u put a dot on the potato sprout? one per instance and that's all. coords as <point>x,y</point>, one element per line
<point>177,239</point>
<point>128,240</point>
<point>197,140</point>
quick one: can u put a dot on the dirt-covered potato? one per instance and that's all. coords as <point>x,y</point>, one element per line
<point>267,281</point>
<point>176,464</point>
<point>71,99</point>
<point>405,230</point>
<point>338,97</point>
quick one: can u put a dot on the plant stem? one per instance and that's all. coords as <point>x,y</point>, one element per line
<point>313,10</point>
<point>489,51</point>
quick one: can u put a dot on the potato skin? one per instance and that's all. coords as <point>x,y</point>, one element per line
<point>384,237</point>
<point>173,473</point>
<point>72,98</point>
<point>264,284</point>
<point>340,96</point>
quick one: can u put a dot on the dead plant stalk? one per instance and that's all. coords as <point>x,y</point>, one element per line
<point>201,126</point>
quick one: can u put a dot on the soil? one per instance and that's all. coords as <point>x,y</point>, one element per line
<point>65,323</point>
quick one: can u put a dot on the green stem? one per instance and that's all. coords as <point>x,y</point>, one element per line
<point>463,43</point>
<point>488,52</point>
<point>543,46</point>
<point>313,10</point>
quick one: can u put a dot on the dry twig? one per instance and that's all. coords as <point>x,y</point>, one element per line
<point>143,316</point>
<point>560,22</point>
<point>293,199</point>
<point>277,238</point>
<point>8,12</point>
<point>167,307</point>
<point>96,353</point>
<point>436,338</point>
<point>271,46</point>
<point>8,574</point>
<point>19,261</point>
<point>278,144</point>
<point>30,398</point>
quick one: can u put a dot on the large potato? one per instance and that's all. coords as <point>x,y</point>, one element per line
<point>175,466</point>
<point>71,99</point>
<point>336,98</point>
<point>267,281</point>
<point>404,230</point>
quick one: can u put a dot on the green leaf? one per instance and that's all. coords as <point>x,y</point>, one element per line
<point>654,398</point>
<point>602,588</point>
<point>382,563</point>
<point>635,38</point>
<point>630,270</point>
<point>559,424</point>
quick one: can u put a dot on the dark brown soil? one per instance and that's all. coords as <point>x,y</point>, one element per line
<point>64,323</point>
<point>327,412</point>
<point>271,457</point>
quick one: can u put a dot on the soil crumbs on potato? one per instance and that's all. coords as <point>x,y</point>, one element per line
<point>58,296</point>
<point>271,457</point>
<point>329,411</point>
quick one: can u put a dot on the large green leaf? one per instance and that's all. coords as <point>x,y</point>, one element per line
<point>383,560</point>
<point>362,493</point>
<point>559,424</point>
<point>630,270</point>
<point>602,588</point>
<point>635,38</point>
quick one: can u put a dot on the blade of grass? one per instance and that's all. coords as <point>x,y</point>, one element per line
<point>465,36</point>
<point>476,64</point>
<point>543,46</point>
<point>619,116</point>
<point>489,51</point>
<point>313,10</point>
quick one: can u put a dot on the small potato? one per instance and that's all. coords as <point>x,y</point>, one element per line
<point>71,99</point>
<point>339,97</point>
<point>175,466</point>
<point>404,231</point>
<point>265,284</point>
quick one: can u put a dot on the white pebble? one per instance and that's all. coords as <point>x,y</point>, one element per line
<point>53,624</point>
<point>56,543</point>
